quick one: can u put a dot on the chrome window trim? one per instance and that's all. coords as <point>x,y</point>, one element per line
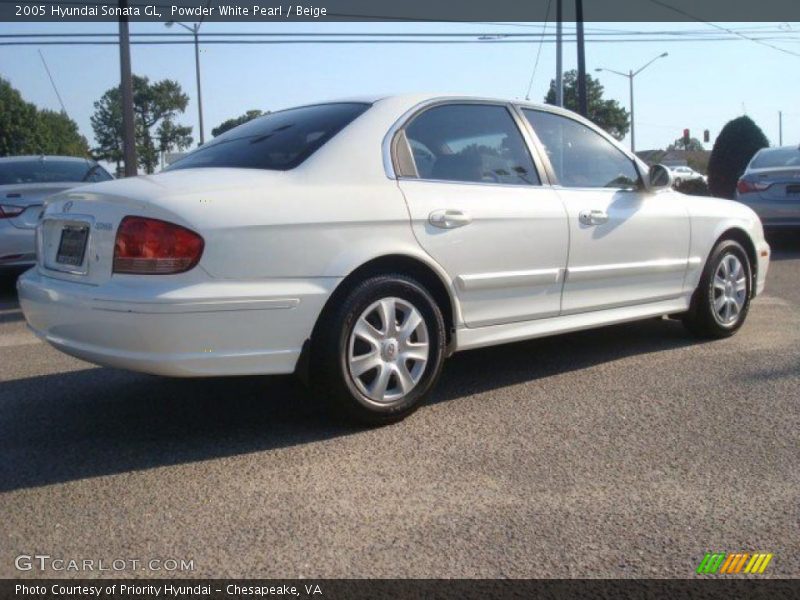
<point>638,165</point>
<point>416,110</point>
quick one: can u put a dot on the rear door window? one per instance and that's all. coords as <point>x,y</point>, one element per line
<point>473,143</point>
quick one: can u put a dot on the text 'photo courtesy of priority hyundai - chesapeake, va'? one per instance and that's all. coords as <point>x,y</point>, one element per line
<point>416,300</point>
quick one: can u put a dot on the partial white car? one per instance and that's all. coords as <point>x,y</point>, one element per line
<point>25,182</point>
<point>362,242</point>
<point>683,173</point>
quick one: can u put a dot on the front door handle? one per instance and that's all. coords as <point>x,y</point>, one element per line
<point>593,217</point>
<point>449,219</point>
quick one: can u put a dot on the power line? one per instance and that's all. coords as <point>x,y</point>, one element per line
<point>356,41</point>
<point>539,51</point>
<point>720,27</point>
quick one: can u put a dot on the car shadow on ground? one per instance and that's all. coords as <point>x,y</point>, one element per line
<point>92,422</point>
<point>785,244</point>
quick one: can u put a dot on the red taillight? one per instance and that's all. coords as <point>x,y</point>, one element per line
<point>743,186</point>
<point>8,211</point>
<point>151,246</point>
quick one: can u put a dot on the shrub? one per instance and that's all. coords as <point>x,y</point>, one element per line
<point>736,144</point>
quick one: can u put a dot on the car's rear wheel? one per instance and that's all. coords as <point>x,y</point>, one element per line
<point>722,300</point>
<point>380,351</point>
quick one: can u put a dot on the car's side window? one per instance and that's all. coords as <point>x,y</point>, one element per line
<point>580,156</point>
<point>475,143</point>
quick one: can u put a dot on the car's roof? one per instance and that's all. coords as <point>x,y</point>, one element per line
<point>29,157</point>
<point>419,97</point>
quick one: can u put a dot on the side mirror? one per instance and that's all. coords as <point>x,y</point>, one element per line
<point>660,177</point>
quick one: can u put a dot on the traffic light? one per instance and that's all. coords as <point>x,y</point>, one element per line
<point>686,137</point>
<point>706,136</point>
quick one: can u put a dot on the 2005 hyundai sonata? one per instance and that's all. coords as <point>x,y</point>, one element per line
<point>362,242</point>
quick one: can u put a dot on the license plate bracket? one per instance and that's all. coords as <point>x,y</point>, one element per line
<point>72,246</point>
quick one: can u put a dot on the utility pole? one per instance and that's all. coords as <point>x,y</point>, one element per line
<point>780,128</point>
<point>126,84</point>
<point>583,106</point>
<point>559,54</point>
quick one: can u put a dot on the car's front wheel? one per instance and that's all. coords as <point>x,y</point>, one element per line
<point>722,300</point>
<point>380,351</point>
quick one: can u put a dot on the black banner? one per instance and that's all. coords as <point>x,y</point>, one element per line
<point>400,589</point>
<point>393,10</point>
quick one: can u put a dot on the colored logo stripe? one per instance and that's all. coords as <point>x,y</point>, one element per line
<point>723,563</point>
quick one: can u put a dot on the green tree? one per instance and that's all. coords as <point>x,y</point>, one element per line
<point>693,145</point>
<point>736,144</point>
<point>156,107</point>
<point>24,129</point>
<point>235,122</point>
<point>60,135</point>
<point>607,114</point>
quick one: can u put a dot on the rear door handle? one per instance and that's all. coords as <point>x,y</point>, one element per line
<point>449,219</point>
<point>593,217</point>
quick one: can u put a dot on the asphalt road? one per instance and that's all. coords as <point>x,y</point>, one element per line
<point>627,451</point>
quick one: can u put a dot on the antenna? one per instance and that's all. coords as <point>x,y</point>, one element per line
<point>46,68</point>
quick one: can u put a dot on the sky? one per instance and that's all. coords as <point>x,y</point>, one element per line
<point>700,85</point>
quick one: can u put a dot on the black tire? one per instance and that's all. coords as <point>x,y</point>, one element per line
<point>702,319</point>
<point>330,372</point>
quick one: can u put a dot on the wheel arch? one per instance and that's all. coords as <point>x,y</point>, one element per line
<point>402,264</point>
<point>737,234</point>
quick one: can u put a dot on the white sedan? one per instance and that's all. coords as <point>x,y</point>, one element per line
<point>362,242</point>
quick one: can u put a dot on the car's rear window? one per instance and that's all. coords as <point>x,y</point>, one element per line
<point>48,170</point>
<point>776,157</point>
<point>277,141</point>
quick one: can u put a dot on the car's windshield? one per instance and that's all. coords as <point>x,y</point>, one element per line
<point>49,170</point>
<point>777,157</point>
<point>277,141</point>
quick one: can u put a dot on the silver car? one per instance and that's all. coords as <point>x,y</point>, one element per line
<point>771,186</point>
<point>25,182</point>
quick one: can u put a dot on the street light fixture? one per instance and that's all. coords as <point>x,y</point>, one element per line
<point>194,29</point>
<point>630,75</point>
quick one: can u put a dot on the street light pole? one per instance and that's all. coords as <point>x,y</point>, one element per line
<point>195,31</point>
<point>199,89</point>
<point>630,75</point>
<point>633,120</point>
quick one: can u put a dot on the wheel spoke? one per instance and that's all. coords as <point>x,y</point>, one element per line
<point>404,377</point>
<point>741,285</point>
<point>364,363</point>
<point>724,268</point>
<point>727,311</point>
<point>411,323</point>
<point>378,388</point>
<point>734,308</point>
<point>735,267</point>
<point>719,283</point>
<point>415,352</point>
<point>719,303</point>
<point>367,332</point>
<point>388,313</point>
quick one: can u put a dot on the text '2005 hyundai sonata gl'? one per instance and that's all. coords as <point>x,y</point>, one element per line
<point>362,242</point>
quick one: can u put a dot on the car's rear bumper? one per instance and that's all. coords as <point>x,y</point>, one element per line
<point>216,328</point>
<point>17,246</point>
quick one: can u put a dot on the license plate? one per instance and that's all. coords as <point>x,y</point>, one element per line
<point>73,245</point>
